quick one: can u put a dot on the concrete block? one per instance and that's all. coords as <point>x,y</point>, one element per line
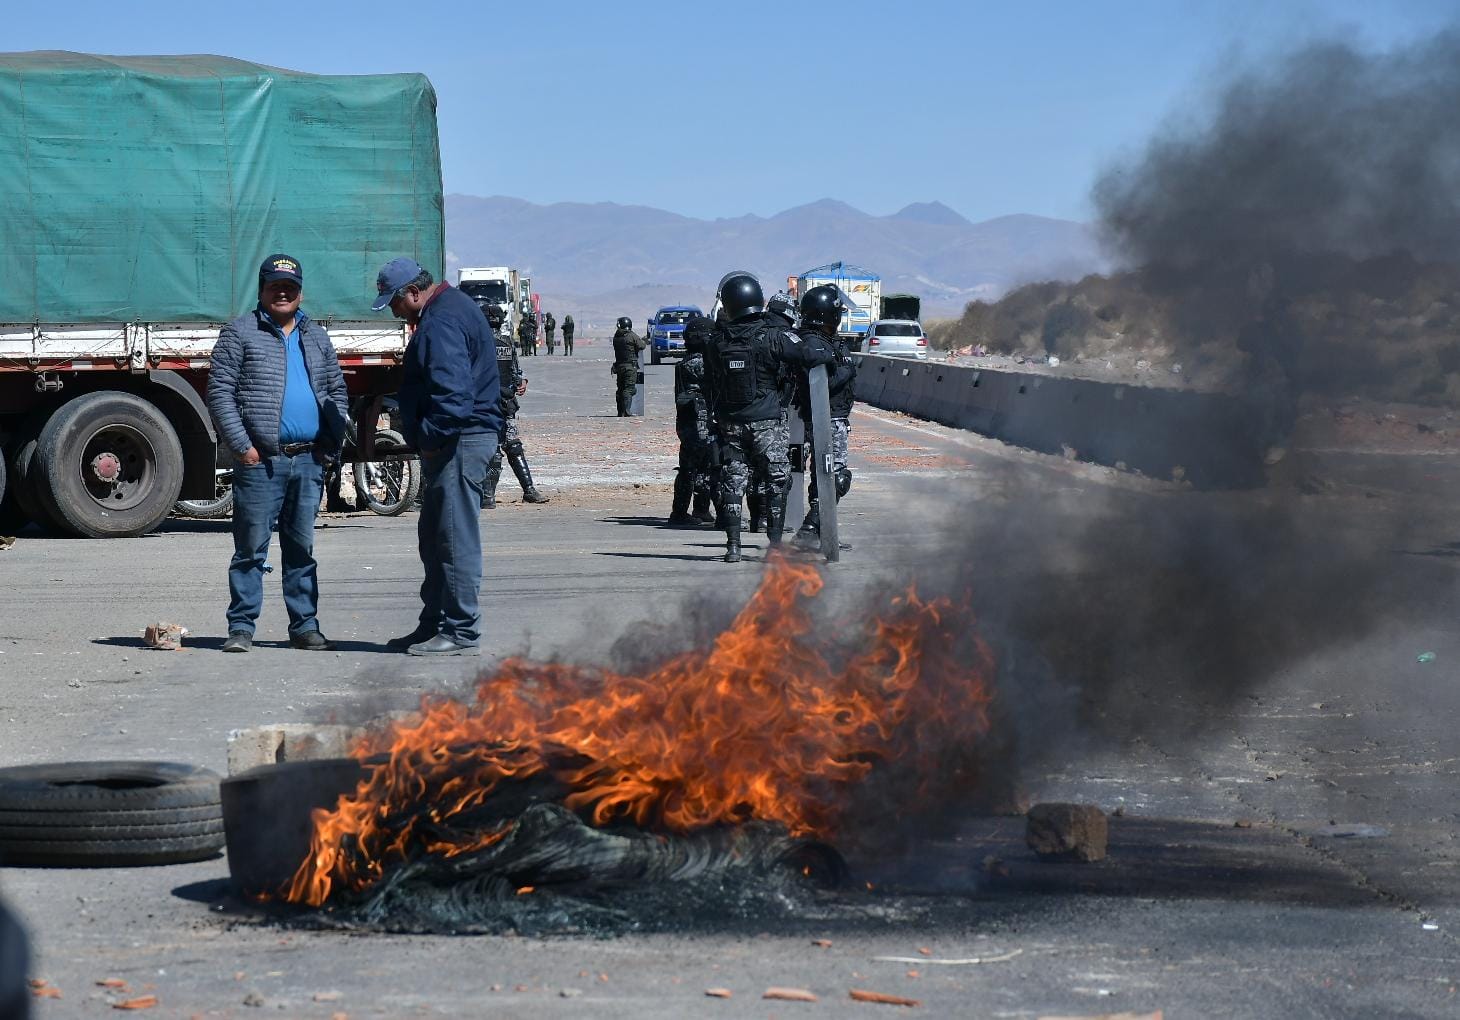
<point>1077,832</point>
<point>269,745</point>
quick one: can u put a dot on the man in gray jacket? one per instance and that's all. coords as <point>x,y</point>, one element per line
<point>278,400</point>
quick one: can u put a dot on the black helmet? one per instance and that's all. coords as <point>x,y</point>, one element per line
<point>781,304</point>
<point>495,315</point>
<point>697,333</point>
<point>624,322</point>
<point>741,295</point>
<point>822,306</point>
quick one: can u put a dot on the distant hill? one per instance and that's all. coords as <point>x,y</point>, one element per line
<point>618,253</point>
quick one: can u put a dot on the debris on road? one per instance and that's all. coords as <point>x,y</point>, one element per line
<point>1425,657</point>
<point>790,994</point>
<point>719,993</point>
<point>116,983</point>
<point>1067,831</point>
<point>163,636</point>
<point>43,989</point>
<point>862,995</point>
<point>140,1002</point>
<point>6,541</point>
<point>821,943</point>
<point>1108,1016</point>
<point>969,962</point>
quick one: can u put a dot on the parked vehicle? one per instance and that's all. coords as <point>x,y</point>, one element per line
<point>666,331</point>
<point>897,338</point>
<point>901,306</point>
<point>861,291</point>
<point>496,285</point>
<point>123,261</point>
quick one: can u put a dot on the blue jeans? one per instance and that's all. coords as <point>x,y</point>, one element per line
<point>449,536</point>
<point>287,489</point>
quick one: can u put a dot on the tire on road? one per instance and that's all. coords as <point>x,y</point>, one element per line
<point>22,486</point>
<point>109,814</point>
<point>108,465</point>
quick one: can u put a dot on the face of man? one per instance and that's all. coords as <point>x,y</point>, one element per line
<point>280,299</point>
<point>408,303</point>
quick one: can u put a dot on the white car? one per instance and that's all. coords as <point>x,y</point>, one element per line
<point>897,338</point>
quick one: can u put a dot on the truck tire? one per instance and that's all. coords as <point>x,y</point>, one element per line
<point>108,465</point>
<point>23,488</point>
<point>108,814</point>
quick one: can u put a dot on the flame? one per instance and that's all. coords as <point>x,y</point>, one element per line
<point>776,721</point>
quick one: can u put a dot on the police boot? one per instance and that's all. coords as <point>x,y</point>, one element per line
<point>679,511</point>
<point>775,518</point>
<point>518,460</point>
<point>808,536</point>
<point>732,542</point>
<point>756,506</point>
<point>702,512</point>
<point>489,487</point>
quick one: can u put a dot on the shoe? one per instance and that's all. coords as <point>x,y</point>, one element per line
<point>732,545</point>
<point>489,501</point>
<point>238,641</point>
<point>442,645</point>
<point>532,495</point>
<point>415,637</point>
<point>310,641</point>
<point>805,539</point>
<point>682,520</point>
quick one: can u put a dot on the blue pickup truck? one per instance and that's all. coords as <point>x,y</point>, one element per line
<point>666,332</point>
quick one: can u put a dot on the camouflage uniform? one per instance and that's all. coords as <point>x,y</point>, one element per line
<point>698,456</point>
<point>626,347</point>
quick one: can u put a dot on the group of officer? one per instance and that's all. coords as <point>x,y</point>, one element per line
<point>527,333</point>
<point>741,377</point>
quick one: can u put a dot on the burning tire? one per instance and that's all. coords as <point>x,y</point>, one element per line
<point>109,465</point>
<point>109,814</point>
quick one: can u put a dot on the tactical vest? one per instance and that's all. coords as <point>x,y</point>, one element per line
<point>743,374</point>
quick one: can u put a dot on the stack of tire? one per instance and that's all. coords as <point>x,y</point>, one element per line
<point>109,814</point>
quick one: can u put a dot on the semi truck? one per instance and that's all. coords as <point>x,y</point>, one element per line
<point>495,285</point>
<point>138,196</point>
<point>861,290</point>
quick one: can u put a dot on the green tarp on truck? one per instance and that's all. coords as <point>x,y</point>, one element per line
<point>148,189</point>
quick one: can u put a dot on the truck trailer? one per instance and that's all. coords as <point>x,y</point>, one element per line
<point>861,289</point>
<point>138,196</point>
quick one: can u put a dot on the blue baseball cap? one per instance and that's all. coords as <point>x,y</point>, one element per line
<point>394,275</point>
<point>280,267</point>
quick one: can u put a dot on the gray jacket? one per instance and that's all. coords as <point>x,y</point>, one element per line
<point>246,384</point>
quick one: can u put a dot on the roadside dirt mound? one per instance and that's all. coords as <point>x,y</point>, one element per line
<point>1382,329</point>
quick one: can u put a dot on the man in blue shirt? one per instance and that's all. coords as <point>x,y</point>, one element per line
<point>450,410</point>
<point>278,400</point>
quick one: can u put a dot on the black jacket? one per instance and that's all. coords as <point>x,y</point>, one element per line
<point>777,351</point>
<point>626,347</point>
<point>841,378</point>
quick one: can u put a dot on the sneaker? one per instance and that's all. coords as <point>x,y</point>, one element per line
<point>310,641</point>
<point>238,641</point>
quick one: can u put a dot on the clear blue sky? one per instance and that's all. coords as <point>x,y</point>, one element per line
<point>990,108</point>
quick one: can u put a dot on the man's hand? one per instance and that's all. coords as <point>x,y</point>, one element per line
<point>251,456</point>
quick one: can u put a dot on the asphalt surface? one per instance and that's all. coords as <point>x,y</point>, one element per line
<point>1282,776</point>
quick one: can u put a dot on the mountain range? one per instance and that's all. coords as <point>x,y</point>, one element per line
<point>642,257</point>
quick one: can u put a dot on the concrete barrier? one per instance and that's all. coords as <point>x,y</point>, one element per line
<point>1213,440</point>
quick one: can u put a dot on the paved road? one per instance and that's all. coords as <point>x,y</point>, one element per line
<point>1193,660</point>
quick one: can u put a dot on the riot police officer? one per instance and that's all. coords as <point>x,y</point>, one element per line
<point>745,364</point>
<point>513,385</point>
<point>821,313</point>
<point>549,325</point>
<point>692,424</point>
<point>626,347</point>
<point>567,335</point>
<point>527,334</point>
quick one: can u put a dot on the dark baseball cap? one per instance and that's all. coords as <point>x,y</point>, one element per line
<point>393,276</point>
<point>280,267</point>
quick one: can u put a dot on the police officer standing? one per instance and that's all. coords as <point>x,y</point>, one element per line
<point>821,313</point>
<point>567,335</point>
<point>692,424</point>
<point>744,366</point>
<point>549,324</point>
<point>626,347</point>
<point>514,385</point>
<point>527,334</point>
